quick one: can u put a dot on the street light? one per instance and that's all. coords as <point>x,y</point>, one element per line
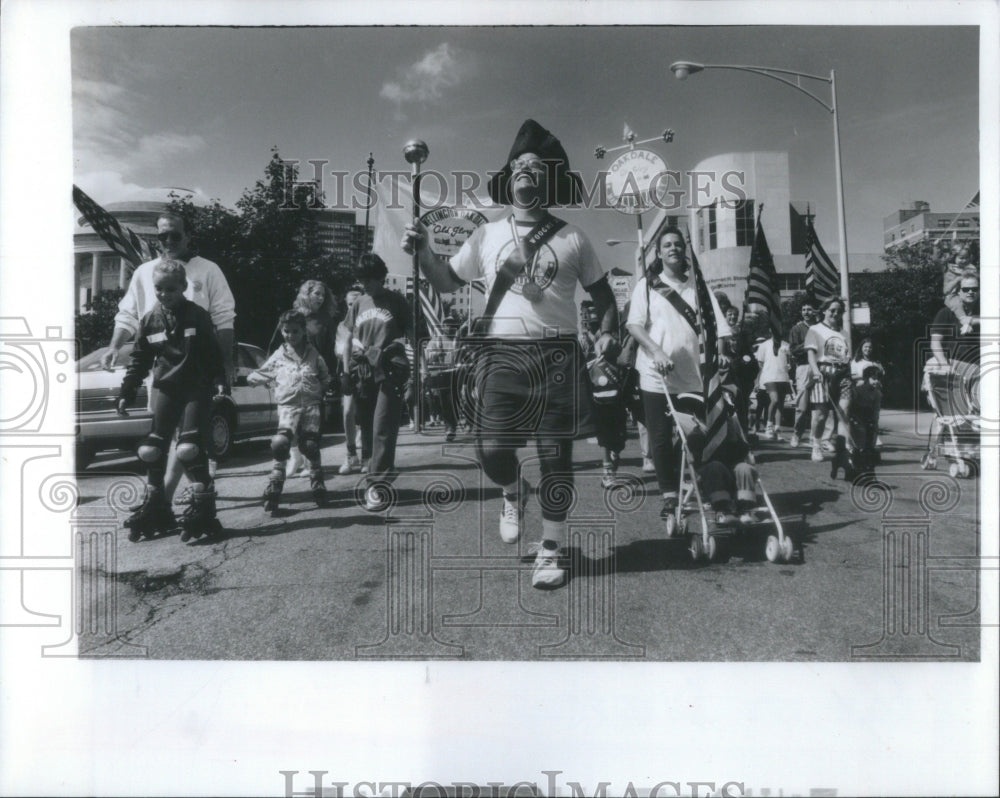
<point>682,69</point>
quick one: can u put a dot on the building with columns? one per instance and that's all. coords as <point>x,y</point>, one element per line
<point>95,267</point>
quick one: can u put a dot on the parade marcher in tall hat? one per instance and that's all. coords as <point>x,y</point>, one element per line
<point>530,378</point>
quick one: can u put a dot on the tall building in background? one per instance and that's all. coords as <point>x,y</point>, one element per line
<point>916,222</point>
<point>340,235</point>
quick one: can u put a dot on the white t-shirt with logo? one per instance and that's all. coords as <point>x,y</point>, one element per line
<point>671,332</point>
<point>829,345</point>
<point>566,259</point>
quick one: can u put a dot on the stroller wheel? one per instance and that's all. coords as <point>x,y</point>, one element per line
<point>954,470</point>
<point>771,549</point>
<point>711,549</point>
<point>787,549</point>
<point>671,525</point>
<point>959,469</point>
<point>697,548</point>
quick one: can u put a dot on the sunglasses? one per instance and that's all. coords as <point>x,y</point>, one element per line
<point>971,289</point>
<point>531,164</point>
<point>172,237</point>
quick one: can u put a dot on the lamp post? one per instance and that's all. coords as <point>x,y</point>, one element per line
<point>682,69</point>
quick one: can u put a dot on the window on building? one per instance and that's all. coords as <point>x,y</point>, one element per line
<point>713,241</point>
<point>744,223</point>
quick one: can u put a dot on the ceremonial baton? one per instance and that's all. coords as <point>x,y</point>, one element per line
<point>415,153</point>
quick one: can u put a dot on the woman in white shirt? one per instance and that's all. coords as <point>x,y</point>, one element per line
<point>773,356</point>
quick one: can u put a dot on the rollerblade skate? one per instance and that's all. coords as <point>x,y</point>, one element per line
<point>152,517</point>
<point>272,493</point>
<point>199,516</point>
<point>318,488</point>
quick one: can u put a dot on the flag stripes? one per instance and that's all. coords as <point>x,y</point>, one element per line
<point>123,241</point>
<point>432,309</point>
<point>762,280</point>
<point>822,277</point>
<point>716,409</point>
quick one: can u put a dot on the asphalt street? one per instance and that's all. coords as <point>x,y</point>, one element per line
<point>883,570</point>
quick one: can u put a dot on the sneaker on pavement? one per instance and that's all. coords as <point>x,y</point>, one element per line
<point>375,500</point>
<point>794,441</point>
<point>510,521</point>
<point>817,454</point>
<point>352,465</point>
<point>609,478</point>
<point>547,571</point>
<point>648,467</point>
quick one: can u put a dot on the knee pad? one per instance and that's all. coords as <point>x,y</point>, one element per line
<point>281,444</point>
<point>188,447</point>
<point>151,449</point>
<point>309,444</point>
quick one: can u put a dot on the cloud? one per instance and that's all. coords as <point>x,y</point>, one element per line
<point>107,139</point>
<point>427,79</point>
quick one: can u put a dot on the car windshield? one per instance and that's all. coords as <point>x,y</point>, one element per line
<point>92,362</point>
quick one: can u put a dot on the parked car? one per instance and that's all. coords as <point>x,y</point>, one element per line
<point>249,412</point>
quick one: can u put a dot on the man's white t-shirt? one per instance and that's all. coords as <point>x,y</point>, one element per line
<point>206,287</point>
<point>671,332</point>
<point>829,345</point>
<point>566,259</point>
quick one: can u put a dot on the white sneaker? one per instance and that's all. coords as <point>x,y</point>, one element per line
<point>375,500</point>
<point>351,465</point>
<point>794,441</point>
<point>817,454</point>
<point>648,467</point>
<point>547,572</point>
<point>769,434</point>
<point>510,521</point>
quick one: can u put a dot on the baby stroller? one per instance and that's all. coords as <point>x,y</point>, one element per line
<point>953,394</point>
<point>709,542</point>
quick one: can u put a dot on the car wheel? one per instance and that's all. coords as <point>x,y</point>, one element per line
<point>222,435</point>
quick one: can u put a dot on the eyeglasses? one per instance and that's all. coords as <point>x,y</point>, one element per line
<point>531,164</point>
<point>172,236</point>
<point>971,288</point>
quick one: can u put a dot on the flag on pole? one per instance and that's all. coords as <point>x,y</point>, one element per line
<point>122,240</point>
<point>762,280</point>
<point>822,277</point>
<point>432,308</point>
<point>716,408</point>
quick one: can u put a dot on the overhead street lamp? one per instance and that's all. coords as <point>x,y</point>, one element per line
<point>682,69</point>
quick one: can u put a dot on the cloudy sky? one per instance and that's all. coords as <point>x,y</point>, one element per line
<point>201,107</point>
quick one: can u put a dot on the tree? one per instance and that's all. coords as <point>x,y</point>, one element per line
<point>902,300</point>
<point>267,248</point>
<point>94,328</point>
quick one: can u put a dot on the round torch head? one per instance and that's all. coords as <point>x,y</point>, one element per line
<point>415,151</point>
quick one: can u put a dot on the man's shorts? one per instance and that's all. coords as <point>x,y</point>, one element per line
<point>531,388</point>
<point>299,418</point>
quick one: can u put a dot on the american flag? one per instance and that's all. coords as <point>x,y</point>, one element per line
<point>122,240</point>
<point>716,407</point>
<point>762,281</point>
<point>822,277</point>
<point>432,309</point>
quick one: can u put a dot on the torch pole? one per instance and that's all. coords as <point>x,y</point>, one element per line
<point>415,153</point>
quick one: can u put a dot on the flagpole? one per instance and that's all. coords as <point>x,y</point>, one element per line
<point>368,205</point>
<point>415,152</point>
